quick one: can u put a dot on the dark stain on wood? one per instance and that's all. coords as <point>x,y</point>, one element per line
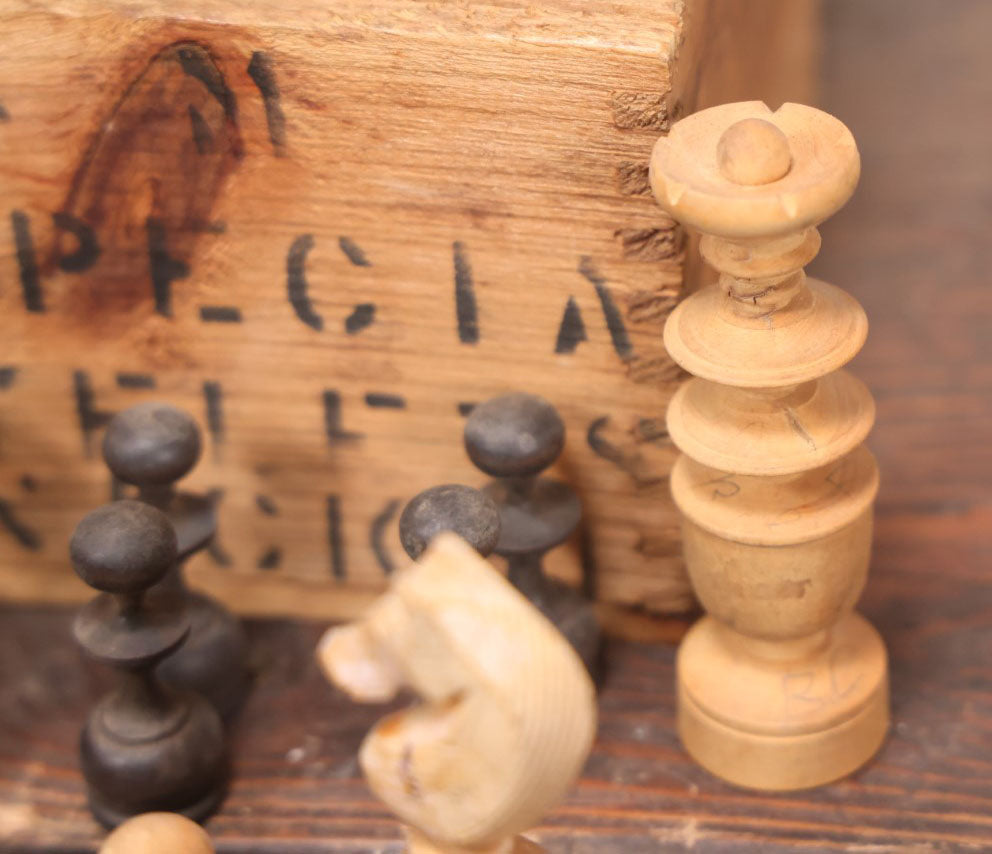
<point>145,166</point>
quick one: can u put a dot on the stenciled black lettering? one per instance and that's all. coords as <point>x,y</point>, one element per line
<point>332,419</point>
<point>335,540</point>
<point>87,247</point>
<point>466,310</point>
<point>353,252</point>
<point>27,262</point>
<point>263,75</point>
<point>614,320</point>
<point>164,268</point>
<point>296,282</point>
<point>377,531</point>
<point>572,330</point>
<point>361,316</point>
<point>90,418</point>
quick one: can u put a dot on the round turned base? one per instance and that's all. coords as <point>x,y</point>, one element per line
<point>779,725</point>
<point>110,817</point>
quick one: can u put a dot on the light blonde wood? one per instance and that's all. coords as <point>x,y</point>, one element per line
<point>508,713</point>
<point>781,686</point>
<point>158,833</point>
<point>519,131</point>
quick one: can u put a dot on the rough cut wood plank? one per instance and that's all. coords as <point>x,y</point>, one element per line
<point>326,231</point>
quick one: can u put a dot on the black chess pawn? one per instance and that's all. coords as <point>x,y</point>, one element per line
<point>145,746</point>
<point>466,511</point>
<point>515,437</point>
<point>151,446</point>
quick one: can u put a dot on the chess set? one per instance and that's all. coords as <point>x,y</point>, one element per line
<point>780,686</point>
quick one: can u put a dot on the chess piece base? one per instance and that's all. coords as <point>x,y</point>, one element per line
<point>202,809</point>
<point>168,757</point>
<point>780,725</point>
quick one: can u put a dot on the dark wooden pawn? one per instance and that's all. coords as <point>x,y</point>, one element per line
<point>151,446</point>
<point>145,746</point>
<point>514,438</point>
<point>467,512</point>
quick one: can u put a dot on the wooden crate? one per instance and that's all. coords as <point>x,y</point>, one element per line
<point>327,230</point>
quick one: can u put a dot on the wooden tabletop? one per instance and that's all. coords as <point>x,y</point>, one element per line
<point>913,79</point>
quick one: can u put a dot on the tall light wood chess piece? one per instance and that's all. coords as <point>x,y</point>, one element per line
<point>781,686</point>
<point>508,713</point>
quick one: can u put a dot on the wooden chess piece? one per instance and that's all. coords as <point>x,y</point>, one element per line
<point>782,686</point>
<point>514,438</point>
<point>158,833</point>
<point>145,747</point>
<point>463,510</point>
<point>151,446</point>
<point>508,710</point>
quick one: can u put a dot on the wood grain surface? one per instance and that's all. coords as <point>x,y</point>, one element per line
<point>327,231</point>
<point>910,77</point>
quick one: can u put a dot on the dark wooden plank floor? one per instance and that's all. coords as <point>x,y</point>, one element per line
<point>913,78</point>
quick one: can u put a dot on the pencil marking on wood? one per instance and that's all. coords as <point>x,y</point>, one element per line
<point>353,252</point>
<point>203,137</point>
<point>465,407</point>
<point>8,373</point>
<point>21,532</point>
<point>130,380</point>
<point>220,314</point>
<point>27,263</point>
<point>87,249</point>
<point>466,310</point>
<point>263,75</point>
<point>266,505</point>
<point>213,396</point>
<point>572,330</point>
<point>90,418</point>
<point>361,316</point>
<point>332,419</point>
<point>271,558</point>
<point>382,400</point>
<point>164,268</point>
<point>614,321</point>
<point>296,282</point>
<point>334,538</point>
<point>28,483</point>
<point>4,114</point>
<point>377,531</point>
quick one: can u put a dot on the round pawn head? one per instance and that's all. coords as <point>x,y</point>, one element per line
<point>158,833</point>
<point>514,435</point>
<point>123,547</point>
<point>753,152</point>
<point>151,444</point>
<point>451,507</point>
